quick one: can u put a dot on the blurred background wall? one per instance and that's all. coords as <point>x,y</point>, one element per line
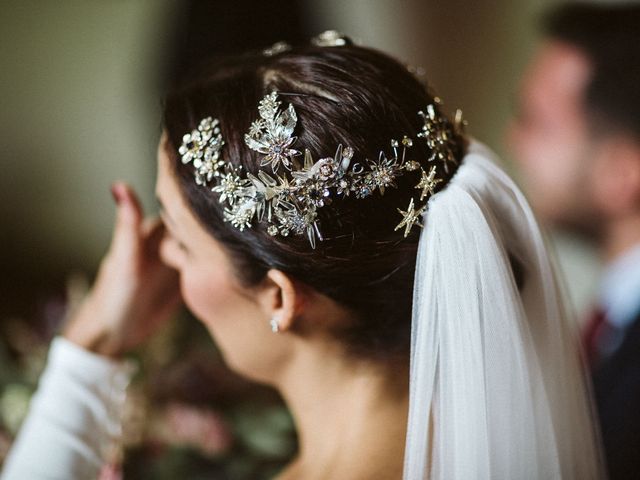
<point>81,83</point>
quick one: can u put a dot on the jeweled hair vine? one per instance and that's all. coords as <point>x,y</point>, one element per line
<point>292,184</point>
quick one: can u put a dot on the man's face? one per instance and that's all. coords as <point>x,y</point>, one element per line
<point>549,137</point>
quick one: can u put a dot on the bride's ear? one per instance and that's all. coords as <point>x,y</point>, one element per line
<point>281,298</point>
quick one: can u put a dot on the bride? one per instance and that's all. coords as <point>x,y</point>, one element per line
<point>343,241</point>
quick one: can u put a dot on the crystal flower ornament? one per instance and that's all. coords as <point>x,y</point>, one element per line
<point>438,135</point>
<point>272,134</point>
<point>202,148</point>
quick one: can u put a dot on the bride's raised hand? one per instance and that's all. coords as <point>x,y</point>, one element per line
<point>134,292</point>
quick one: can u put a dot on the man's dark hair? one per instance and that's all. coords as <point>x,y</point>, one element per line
<point>609,35</point>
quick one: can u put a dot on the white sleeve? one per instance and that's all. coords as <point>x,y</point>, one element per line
<point>74,416</point>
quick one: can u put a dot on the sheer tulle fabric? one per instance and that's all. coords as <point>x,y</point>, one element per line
<point>497,386</point>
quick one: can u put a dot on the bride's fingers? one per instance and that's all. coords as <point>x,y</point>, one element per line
<point>152,232</point>
<point>150,225</point>
<point>128,217</point>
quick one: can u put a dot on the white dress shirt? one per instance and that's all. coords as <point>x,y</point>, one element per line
<point>74,418</point>
<point>620,288</point>
<point>620,298</point>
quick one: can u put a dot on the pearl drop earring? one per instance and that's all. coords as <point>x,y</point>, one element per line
<point>275,326</point>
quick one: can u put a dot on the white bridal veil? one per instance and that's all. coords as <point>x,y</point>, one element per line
<point>497,386</point>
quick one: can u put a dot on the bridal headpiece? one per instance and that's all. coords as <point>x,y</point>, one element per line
<point>490,365</point>
<point>291,186</point>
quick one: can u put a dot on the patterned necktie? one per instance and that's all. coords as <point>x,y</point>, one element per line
<point>594,328</point>
<point>600,338</point>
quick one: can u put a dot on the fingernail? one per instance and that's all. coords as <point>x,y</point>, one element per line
<point>115,192</point>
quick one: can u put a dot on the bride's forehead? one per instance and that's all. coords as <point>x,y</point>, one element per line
<point>164,178</point>
<point>171,199</point>
<point>167,187</point>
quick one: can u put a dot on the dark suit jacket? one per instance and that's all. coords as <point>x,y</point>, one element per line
<point>616,382</point>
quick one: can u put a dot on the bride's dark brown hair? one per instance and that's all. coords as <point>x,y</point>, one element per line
<point>348,95</point>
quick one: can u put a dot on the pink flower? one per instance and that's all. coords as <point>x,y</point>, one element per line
<point>110,471</point>
<point>200,428</point>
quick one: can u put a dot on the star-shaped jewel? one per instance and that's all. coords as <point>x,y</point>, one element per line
<point>256,128</point>
<point>439,134</point>
<point>240,215</point>
<point>229,186</point>
<point>411,217</point>
<point>428,182</point>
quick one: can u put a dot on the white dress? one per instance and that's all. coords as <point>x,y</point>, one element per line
<point>74,418</point>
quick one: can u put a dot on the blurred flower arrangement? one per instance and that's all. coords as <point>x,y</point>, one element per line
<point>187,415</point>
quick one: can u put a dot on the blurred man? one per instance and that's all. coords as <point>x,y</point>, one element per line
<point>576,138</point>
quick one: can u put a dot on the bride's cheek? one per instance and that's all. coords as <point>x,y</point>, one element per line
<point>200,295</point>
